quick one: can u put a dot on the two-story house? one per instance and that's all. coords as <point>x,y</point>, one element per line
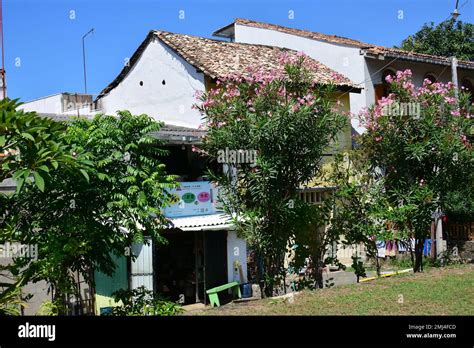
<point>161,80</point>
<point>365,64</point>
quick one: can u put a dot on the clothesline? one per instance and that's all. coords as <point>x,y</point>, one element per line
<point>390,247</point>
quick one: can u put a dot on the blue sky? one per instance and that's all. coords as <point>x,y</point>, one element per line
<point>43,47</point>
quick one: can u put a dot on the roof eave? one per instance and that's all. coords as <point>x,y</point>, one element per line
<point>221,31</point>
<point>126,69</point>
<point>349,88</point>
<point>436,61</point>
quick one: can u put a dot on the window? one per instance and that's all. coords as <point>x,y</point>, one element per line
<point>431,77</point>
<point>387,72</point>
<point>383,88</point>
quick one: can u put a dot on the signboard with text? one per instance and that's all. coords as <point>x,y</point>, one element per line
<point>195,198</point>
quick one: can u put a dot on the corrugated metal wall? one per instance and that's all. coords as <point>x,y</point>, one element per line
<point>142,267</point>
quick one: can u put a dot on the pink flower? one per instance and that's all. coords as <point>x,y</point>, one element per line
<point>208,102</point>
<point>450,100</point>
<point>384,101</point>
<point>427,82</point>
<point>403,75</point>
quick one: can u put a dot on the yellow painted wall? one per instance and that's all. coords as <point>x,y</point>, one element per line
<point>342,144</point>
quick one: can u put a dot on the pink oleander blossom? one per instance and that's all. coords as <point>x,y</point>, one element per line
<point>455,113</point>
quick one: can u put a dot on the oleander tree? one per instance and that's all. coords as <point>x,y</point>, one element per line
<point>289,120</point>
<point>419,141</point>
<point>363,212</point>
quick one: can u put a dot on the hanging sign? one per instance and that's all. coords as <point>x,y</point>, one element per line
<point>195,198</point>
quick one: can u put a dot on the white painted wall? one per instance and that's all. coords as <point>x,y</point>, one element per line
<point>343,59</point>
<point>419,70</point>
<point>58,104</point>
<point>50,104</point>
<point>171,102</point>
<point>236,251</point>
<point>347,61</point>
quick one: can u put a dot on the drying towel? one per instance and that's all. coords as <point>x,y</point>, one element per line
<point>401,247</point>
<point>380,248</point>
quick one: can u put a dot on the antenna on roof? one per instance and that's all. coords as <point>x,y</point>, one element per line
<point>456,13</point>
<point>84,58</point>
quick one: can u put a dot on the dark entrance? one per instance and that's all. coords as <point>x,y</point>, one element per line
<point>190,263</point>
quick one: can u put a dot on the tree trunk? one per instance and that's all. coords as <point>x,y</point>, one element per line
<point>319,277</point>
<point>418,255</point>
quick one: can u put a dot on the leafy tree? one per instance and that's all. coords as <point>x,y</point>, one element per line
<point>30,150</point>
<point>82,217</point>
<point>447,39</point>
<point>313,241</point>
<point>11,298</point>
<point>358,206</point>
<point>418,140</point>
<point>29,146</point>
<point>288,120</point>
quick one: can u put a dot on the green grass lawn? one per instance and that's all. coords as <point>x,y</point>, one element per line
<point>438,291</point>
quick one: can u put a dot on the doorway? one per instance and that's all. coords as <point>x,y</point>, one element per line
<point>191,263</point>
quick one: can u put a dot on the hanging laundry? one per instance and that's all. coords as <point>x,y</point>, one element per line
<point>391,248</point>
<point>380,248</point>
<point>401,246</point>
<point>427,247</point>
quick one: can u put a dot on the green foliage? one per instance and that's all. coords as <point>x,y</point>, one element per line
<point>447,258</point>
<point>81,215</point>
<point>420,159</point>
<point>49,308</point>
<point>289,121</point>
<point>141,301</point>
<point>11,298</point>
<point>447,39</point>
<point>358,267</point>
<point>359,204</point>
<point>30,146</point>
<point>312,241</point>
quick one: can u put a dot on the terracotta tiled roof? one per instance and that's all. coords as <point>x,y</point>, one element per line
<point>217,58</point>
<point>370,48</point>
